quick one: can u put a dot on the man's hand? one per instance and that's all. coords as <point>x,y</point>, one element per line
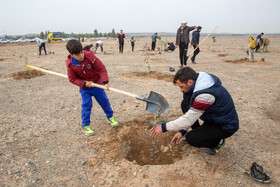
<point>156,131</point>
<point>176,46</point>
<point>88,84</point>
<point>107,86</point>
<point>176,138</point>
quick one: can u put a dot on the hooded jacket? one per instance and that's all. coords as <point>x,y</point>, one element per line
<point>90,69</point>
<point>222,112</point>
<point>209,101</point>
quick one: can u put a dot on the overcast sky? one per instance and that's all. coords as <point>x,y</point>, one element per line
<point>232,16</point>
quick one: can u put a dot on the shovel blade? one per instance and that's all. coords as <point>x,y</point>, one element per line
<point>158,104</point>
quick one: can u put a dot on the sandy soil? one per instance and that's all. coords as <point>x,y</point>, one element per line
<point>42,143</point>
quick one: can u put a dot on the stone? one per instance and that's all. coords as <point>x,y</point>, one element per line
<point>16,171</point>
<point>110,176</point>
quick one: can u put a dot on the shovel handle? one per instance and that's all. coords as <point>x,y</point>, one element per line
<point>93,84</point>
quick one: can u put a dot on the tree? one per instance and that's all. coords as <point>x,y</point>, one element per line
<point>95,33</point>
<point>100,34</point>
<point>42,35</point>
<point>113,34</point>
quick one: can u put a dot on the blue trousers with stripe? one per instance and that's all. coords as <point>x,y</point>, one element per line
<point>102,99</point>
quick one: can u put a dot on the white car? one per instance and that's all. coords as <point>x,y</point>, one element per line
<point>4,41</point>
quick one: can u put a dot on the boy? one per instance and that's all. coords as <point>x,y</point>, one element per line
<point>84,68</point>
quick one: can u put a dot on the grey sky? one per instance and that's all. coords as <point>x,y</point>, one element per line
<point>232,16</point>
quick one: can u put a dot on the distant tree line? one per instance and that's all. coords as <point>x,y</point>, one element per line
<point>95,34</point>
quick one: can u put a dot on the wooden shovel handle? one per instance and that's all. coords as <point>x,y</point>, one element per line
<point>93,84</point>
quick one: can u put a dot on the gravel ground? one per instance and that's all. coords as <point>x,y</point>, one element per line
<point>42,143</point>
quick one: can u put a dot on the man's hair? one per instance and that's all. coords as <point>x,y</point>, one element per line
<point>184,74</point>
<point>199,27</point>
<point>74,47</point>
<point>262,33</point>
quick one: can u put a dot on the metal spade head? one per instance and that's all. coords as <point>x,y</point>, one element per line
<point>156,103</point>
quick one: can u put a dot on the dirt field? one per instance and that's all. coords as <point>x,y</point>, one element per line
<point>41,140</point>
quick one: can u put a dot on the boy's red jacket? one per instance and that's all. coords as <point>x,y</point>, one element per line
<point>91,69</point>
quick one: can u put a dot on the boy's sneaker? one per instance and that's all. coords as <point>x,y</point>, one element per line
<point>215,150</point>
<point>88,131</point>
<point>113,122</point>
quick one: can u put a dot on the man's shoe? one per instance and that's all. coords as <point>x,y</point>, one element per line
<point>194,62</point>
<point>215,150</point>
<point>87,131</point>
<point>113,122</point>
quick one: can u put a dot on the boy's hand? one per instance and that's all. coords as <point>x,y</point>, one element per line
<point>176,138</point>
<point>107,87</point>
<point>156,131</point>
<point>88,84</point>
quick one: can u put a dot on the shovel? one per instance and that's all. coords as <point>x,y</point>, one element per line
<point>201,42</point>
<point>156,103</point>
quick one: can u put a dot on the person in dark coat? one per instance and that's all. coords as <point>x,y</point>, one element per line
<point>195,43</point>
<point>205,98</point>
<point>182,40</point>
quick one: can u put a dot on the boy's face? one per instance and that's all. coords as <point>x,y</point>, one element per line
<point>80,57</point>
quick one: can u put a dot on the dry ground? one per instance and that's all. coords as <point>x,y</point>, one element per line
<point>41,141</point>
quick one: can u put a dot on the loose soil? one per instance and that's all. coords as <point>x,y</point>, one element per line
<point>222,55</point>
<point>150,75</point>
<point>40,123</point>
<point>28,74</point>
<point>246,61</point>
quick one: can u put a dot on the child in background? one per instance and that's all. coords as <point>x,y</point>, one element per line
<point>84,68</point>
<point>132,41</point>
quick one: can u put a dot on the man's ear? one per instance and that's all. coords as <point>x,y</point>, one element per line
<point>190,82</point>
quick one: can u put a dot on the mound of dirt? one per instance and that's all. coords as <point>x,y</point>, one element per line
<point>222,55</point>
<point>134,144</point>
<point>28,74</point>
<point>150,75</point>
<point>246,61</point>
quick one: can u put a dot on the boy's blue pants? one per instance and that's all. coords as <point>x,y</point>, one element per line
<point>100,96</point>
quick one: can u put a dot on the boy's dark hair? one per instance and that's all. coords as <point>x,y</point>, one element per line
<point>262,33</point>
<point>184,74</point>
<point>74,47</point>
<point>199,27</point>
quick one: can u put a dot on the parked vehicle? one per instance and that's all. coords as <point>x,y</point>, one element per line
<point>55,36</point>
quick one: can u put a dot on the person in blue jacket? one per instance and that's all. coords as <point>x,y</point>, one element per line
<point>195,43</point>
<point>204,98</point>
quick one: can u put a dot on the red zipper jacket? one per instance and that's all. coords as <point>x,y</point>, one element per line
<point>91,69</point>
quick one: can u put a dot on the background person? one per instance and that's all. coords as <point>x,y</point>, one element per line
<point>171,47</point>
<point>204,98</point>
<point>154,41</point>
<point>259,41</point>
<point>132,41</point>
<point>99,43</point>
<point>120,39</point>
<point>41,43</point>
<point>195,43</point>
<point>265,43</point>
<point>182,40</point>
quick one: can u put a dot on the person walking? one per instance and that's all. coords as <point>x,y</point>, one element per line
<point>182,40</point>
<point>41,43</point>
<point>195,43</point>
<point>84,68</point>
<point>154,41</point>
<point>120,39</point>
<point>132,41</point>
<point>204,98</point>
